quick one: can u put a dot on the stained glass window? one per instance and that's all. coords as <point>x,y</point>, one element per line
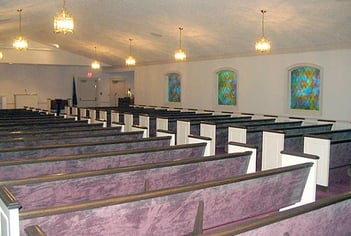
<point>305,88</point>
<point>174,88</point>
<point>227,87</point>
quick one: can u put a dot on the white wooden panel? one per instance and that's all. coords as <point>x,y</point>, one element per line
<point>9,220</point>
<point>242,148</point>
<point>209,130</point>
<point>75,111</point>
<point>309,192</point>
<point>92,115</point>
<point>193,139</point>
<point>118,125</point>
<point>161,123</point>
<point>128,121</point>
<point>272,145</point>
<point>114,116</point>
<point>140,128</point>
<point>160,133</point>
<point>183,130</point>
<point>236,134</point>
<point>145,122</point>
<point>103,115</point>
<point>321,148</point>
<point>83,113</point>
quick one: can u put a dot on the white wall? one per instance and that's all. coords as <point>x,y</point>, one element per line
<point>48,81</point>
<point>262,86</point>
<point>263,82</point>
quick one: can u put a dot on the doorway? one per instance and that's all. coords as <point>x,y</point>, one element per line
<point>117,90</point>
<point>87,89</point>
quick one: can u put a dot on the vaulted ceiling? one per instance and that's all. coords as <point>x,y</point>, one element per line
<point>212,28</point>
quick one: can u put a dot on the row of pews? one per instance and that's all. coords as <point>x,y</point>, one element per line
<point>269,134</point>
<point>101,179</point>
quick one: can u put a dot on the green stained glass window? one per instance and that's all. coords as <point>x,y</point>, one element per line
<point>227,87</point>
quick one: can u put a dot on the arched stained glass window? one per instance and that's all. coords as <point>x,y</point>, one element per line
<point>305,88</point>
<point>174,87</point>
<point>227,87</point>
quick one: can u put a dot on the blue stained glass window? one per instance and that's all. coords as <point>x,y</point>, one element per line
<point>174,87</point>
<point>305,88</point>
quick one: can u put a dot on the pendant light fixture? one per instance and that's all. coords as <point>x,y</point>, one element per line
<point>95,65</point>
<point>63,21</point>
<point>20,43</point>
<point>179,54</point>
<point>263,45</point>
<point>1,55</point>
<point>130,61</point>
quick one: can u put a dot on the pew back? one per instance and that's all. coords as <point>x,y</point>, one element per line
<point>174,210</point>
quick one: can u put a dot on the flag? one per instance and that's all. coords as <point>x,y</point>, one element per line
<point>74,94</point>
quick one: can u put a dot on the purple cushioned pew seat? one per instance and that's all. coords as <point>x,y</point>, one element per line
<point>79,148</point>
<point>329,216</point>
<point>55,190</point>
<point>173,211</point>
<point>24,168</point>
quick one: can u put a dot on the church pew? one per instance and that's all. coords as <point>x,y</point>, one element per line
<point>131,116</point>
<point>325,217</point>
<point>78,148</point>
<point>72,112</point>
<point>21,119</point>
<point>287,159</point>
<point>145,117</point>
<point>15,113</point>
<point>170,122</point>
<point>252,134</point>
<point>186,127</point>
<point>31,167</point>
<point>218,131</point>
<point>63,131</point>
<point>36,122</point>
<point>334,148</point>
<point>46,191</point>
<point>289,139</point>
<point>150,121</point>
<point>178,210</point>
<point>47,126</point>
<point>63,139</point>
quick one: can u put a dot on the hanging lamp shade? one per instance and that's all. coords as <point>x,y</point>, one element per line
<point>130,60</point>
<point>20,43</point>
<point>63,21</point>
<point>263,44</point>
<point>180,54</point>
<point>95,65</point>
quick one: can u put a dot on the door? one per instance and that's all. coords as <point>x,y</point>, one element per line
<point>87,89</point>
<point>117,90</point>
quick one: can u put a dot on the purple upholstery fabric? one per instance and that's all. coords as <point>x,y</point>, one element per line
<point>85,162</point>
<point>69,149</point>
<point>44,133</point>
<point>84,138</point>
<point>173,214</point>
<point>340,175</point>
<point>93,187</point>
<point>334,219</point>
<point>340,154</point>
